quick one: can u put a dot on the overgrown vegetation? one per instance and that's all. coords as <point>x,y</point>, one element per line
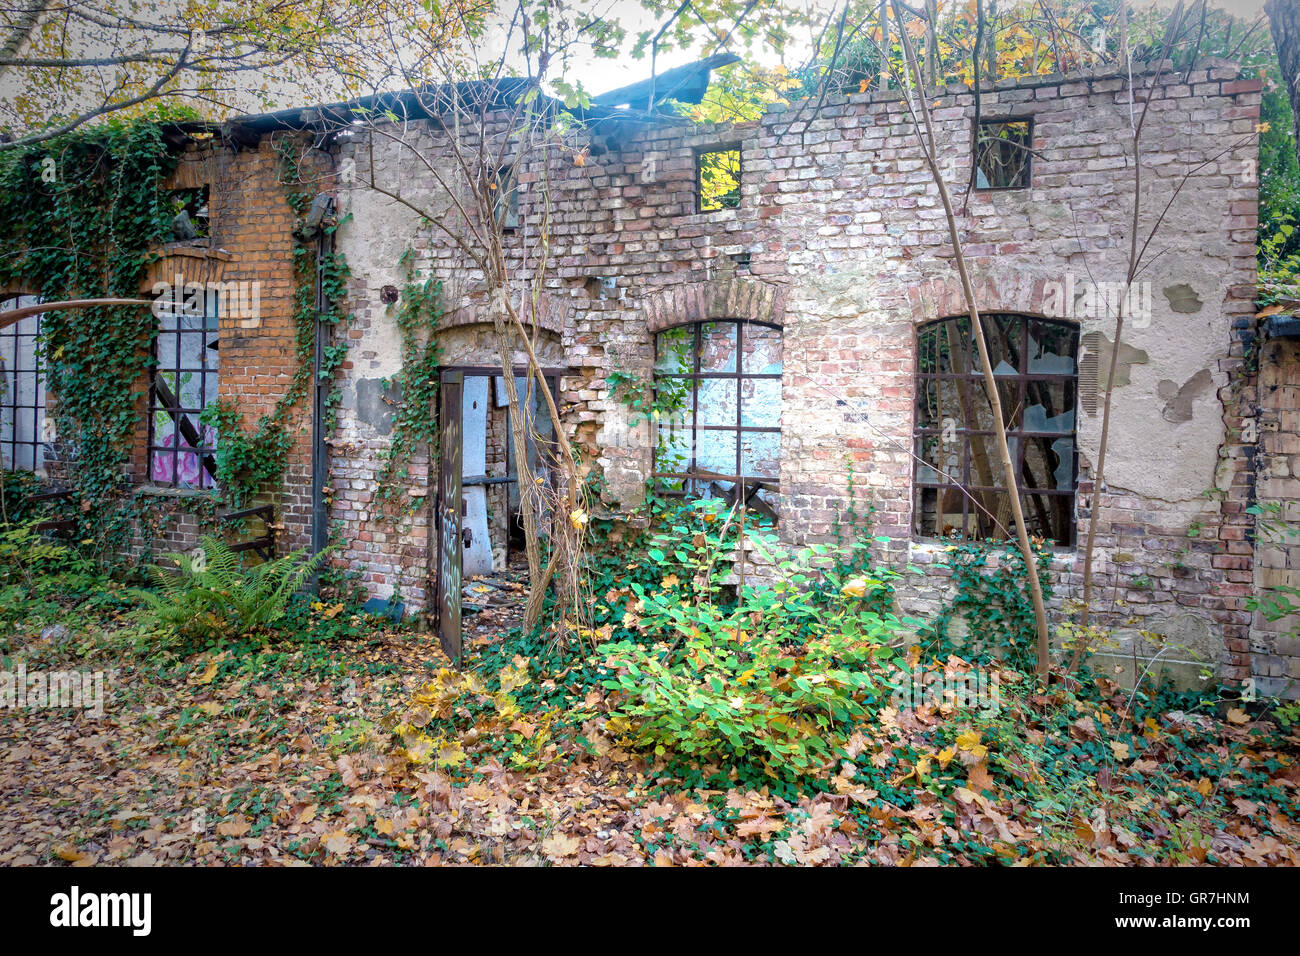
<point>804,724</point>
<point>83,214</point>
<point>210,596</point>
<point>415,388</point>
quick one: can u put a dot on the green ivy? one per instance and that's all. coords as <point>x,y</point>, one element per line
<point>248,461</point>
<point>84,214</point>
<point>996,602</point>
<point>416,384</point>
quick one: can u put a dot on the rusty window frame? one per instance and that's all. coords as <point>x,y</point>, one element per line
<point>748,485</point>
<point>11,340</point>
<point>959,482</point>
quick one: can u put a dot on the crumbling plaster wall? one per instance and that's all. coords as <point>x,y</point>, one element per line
<point>389,244</point>
<point>849,251</point>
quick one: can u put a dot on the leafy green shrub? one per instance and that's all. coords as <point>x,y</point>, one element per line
<point>25,553</point>
<point>210,596</point>
<point>16,491</point>
<point>991,588</point>
<point>775,676</point>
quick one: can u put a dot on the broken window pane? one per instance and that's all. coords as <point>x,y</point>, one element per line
<point>1002,154</point>
<point>718,174</point>
<point>1003,335</point>
<point>717,348</point>
<point>955,441</point>
<point>725,416</point>
<point>1050,406</point>
<point>181,447</point>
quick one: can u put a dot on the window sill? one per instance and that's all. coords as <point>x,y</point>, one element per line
<point>699,217</point>
<point>161,491</point>
<point>1063,558</point>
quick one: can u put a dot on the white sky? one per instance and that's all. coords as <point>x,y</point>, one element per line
<point>599,75</point>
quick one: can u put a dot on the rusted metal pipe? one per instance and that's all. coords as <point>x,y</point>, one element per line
<point>10,316</point>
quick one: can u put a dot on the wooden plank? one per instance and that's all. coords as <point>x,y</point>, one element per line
<point>449,508</point>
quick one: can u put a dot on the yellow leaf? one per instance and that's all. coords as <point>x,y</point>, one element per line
<point>451,755</point>
<point>211,708</point>
<point>579,518</point>
<point>337,843</point>
<point>561,845</point>
<point>1236,716</point>
<point>1120,750</point>
<point>235,828</point>
<point>384,826</point>
<point>855,587</point>
<point>1203,786</point>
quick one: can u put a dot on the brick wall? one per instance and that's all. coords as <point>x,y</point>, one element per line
<point>251,226</point>
<point>1275,661</point>
<point>849,252</point>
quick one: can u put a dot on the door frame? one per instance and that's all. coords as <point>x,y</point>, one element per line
<point>450,488</point>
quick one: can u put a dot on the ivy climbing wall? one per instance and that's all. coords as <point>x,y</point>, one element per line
<point>249,253</point>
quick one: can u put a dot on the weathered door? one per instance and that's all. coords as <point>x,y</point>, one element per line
<point>449,513</point>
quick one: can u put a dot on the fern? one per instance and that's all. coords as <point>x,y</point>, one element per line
<point>209,596</point>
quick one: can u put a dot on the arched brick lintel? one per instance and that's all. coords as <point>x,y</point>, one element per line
<point>719,299</point>
<point>17,287</point>
<point>551,316</point>
<point>943,298</point>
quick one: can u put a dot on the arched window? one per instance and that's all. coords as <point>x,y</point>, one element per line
<point>722,437</point>
<point>22,391</point>
<point>960,487</point>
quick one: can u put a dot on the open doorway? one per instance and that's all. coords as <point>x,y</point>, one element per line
<point>480,538</point>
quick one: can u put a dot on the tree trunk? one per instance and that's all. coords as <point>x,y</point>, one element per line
<point>1284,21</point>
<point>924,127</point>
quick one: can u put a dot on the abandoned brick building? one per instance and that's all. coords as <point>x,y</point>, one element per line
<point>813,320</point>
